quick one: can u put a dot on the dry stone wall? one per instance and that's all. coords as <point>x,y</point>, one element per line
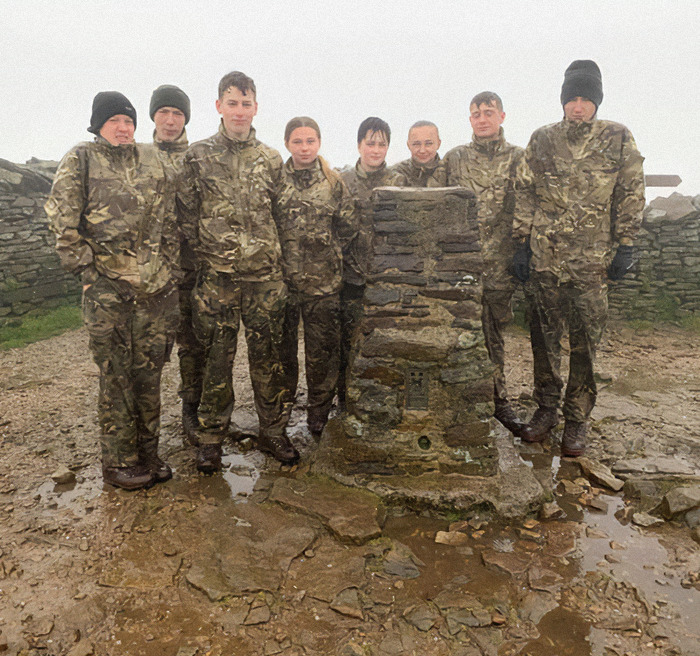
<point>665,282</point>
<point>31,278</point>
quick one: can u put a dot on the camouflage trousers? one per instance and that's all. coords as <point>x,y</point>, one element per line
<point>220,303</point>
<point>190,352</point>
<point>553,306</point>
<point>130,339</point>
<point>321,316</point>
<point>496,314</point>
<point>351,311</point>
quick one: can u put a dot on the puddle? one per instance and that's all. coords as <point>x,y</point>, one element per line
<point>240,474</point>
<point>65,495</point>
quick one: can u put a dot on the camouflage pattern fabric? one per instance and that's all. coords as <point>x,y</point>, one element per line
<point>360,183</point>
<point>111,209</point>
<point>190,352</point>
<point>553,306</point>
<point>496,314</point>
<point>356,263</point>
<point>582,195</point>
<point>321,316</point>
<point>225,206</point>
<point>411,174</point>
<point>317,221</point>
<point>221,300</point>
<point>489,168</point>
<point>131,337</point>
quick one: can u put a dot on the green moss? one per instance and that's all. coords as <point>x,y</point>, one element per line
<point>34,329</point>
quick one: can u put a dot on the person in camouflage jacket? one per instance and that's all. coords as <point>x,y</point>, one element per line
<point>488,167</point>
<point>582,202</point>
<point>370,171</point>
<point>111,210</point>
<point>317,221</point>
<point>423,142</point>
<point>225,202</point>
<point>170,111</point>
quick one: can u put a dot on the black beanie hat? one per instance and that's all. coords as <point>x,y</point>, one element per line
<point>168,95</point>
<point>582,78</point>
<point>107,104</point>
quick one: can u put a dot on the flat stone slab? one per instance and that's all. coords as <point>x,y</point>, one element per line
<point>679,500</point>
<point>250,549</point>
<point>351,515</point>
<point>661,466</point>
<point>599,473</point>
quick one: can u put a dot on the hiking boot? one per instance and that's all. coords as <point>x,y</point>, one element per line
<point>280,448</point>
<point>541,423</point>
<point>506,415</point>
<point>190,422</point>
<point>316,426</point>
<point>160,469</point>
<point>209,458</point>
<point>573,442</point>
<point>134,477</point>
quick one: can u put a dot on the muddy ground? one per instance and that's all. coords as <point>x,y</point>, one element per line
<point>228,565</point>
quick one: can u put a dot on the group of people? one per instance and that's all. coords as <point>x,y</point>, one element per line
<point>183,243</point>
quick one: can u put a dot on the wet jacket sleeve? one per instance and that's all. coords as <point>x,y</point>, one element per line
<point>347,220</point>
<point>525,198</point>
<point>64,210</point>
<point>628,195</point>
<point>188,202</point>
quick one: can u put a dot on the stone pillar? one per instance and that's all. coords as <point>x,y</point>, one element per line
<point>418,425</point>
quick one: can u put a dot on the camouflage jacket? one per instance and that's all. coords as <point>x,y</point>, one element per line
<point>489,169</point>
<point>582,196</point>
<point>225,203</point>
<point>111,208</point>
<point>171,154</point>
<point>360,184</point>
<point>317,221</point>
<point>410,174</point>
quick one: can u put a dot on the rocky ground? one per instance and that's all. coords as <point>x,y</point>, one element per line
<point>266,560</point>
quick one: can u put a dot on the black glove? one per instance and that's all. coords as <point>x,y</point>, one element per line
<point>521,262</point>
<point>622,262</point>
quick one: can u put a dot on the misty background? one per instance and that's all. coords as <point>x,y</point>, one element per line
<point>339,62</point>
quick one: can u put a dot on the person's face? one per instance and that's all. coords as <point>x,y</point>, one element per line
<point>118,129</point>
<point>303,144</point>
<point>486,120</point>
<point>237,111</point>
<point>579,109</point>
<point>372,150</point>
<point>170,122</point>
<point>423,142</point>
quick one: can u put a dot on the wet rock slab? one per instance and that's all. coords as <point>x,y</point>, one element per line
<point>351,515</point>
<point>249,550</point>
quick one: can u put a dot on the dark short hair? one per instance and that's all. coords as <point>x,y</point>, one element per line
<point>239,80</point>
<point>373,124</point>
<point>487,98</point>
<point>424,124</point>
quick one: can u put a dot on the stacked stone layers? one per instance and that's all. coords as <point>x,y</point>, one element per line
<point>420,388</point>
<point>665,282</point>
<point>31,278</point>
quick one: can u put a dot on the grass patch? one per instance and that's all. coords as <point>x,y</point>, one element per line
<point>34,329</point>
<point>691,323</point>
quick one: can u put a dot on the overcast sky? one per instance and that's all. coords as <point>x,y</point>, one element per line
<point>341,61</point>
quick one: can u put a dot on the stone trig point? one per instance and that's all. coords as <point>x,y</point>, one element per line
<point>418,427</point>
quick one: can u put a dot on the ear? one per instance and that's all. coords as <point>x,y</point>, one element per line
<point>218,105</point>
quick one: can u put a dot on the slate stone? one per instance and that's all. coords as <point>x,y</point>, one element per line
<point>680,500</point>
<point>511,563</point>
<point>665,466</point>
<point>352,515</point>
<point>347,602</point>
<point>598,473</point>
<point>422,616</point>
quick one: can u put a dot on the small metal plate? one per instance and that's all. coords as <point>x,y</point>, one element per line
<point>417,386</point>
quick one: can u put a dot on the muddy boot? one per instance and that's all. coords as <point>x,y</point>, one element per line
<point>541,423</point>
<point>573,442</point>
<point>128,478</point>
<point>209,458</point>
<point>160,469</point>
<point>190,422</point>
<point>506,415</point>
<point>316,425</point>
<point>280,448</point>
